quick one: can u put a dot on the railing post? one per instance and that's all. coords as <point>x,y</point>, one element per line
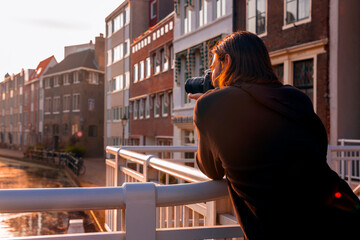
<point>146,171</point>
<point>116,172</point>
<point>140,200</point>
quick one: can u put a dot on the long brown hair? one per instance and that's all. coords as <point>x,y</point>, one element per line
<point>250,61</point>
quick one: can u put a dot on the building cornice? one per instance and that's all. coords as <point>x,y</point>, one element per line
<point>74,69</point>
<point>299,48</point>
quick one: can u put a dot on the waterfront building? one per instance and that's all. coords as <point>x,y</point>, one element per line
<point>151,100</point>
<point>33,104</point>
<point>198,26</point>
<point>128,21</point>
<point>309,43</point>
<point>74,100</point>
<point>12,109</point>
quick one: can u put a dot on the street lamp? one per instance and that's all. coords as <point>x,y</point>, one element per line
<point>124,120</point>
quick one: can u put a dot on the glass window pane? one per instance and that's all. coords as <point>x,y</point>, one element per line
<point>303,76</point>
<point>251,8</point>
<point>290,12</point>
<point>260,23</point>
<point>303,9</point>
<point>279,71</point>
<point>251,24</point>
<point>261,6</point>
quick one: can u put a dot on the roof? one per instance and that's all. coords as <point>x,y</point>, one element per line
<point>40,68</point>
<point>76,60</point>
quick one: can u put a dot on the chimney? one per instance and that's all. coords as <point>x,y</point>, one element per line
<point>100,51</point>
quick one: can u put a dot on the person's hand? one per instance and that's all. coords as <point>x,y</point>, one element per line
<point>194,96</point>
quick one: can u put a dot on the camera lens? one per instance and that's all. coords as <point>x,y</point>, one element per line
<point>194,85</point>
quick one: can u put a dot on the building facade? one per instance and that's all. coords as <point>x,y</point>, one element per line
<point>297,35</point>
<point>32,112</point>
<point>128,21</point>
<point>151,85</point>
<point>199,25</point>
<point>12,109</point>
<point>74,101</point>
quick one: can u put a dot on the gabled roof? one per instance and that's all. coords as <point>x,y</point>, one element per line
<point>76,60</point>
<point>40,68</point>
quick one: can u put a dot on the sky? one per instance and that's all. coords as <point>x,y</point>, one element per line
<point>33,30</point>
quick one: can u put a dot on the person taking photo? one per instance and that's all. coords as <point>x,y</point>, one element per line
<point>266,139</point>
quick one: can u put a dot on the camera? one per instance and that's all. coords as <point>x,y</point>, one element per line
<point>199,84</point>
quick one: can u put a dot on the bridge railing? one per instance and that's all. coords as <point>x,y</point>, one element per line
<point>139,200</point>
<point>131,164</point>
<point>345,159</point>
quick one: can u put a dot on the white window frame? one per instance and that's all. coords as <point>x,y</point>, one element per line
<point>135,111</point>
<point>126,80</point>
<point>127,47</point>
<point>136,72</point>
<point>109,28</point>
<point>76,77</point>
<point>152,10</point>
<point>148,67</point>
<point>202,13</point>
<point>186,20</point>
<point>56,105</point>
<point>141,109</point>
<point>266,18</point>
<point>47,105</point>
<point>141,70</point>
<point>147,107</point>
<point>157,104</point>
<point>66,103</point>
<point>222,5</point>
<point>75,103</point>
<point>296,23</point>
<point>66,79</point>
<point>56,81</point>
<point>94,78</point>
<point>47,85</point>
<point>164,61</point>
<point>164,106</point>
<point>127,15</point>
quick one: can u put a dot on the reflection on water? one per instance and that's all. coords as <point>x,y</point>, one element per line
<point>14,174</point>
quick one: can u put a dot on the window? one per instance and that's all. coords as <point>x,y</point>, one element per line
<point>116,112</point>
<point>76,77</point>
<point>157,106</point>
<point>109,28</point>
<point>153,10</point>
<point>47,83</point>
<point>91,104</point>
<point>220,8</point>
<point>92,131</point>
<point>148,67</point>
<point>66,79</point>
<point>109,57</point>
<point>47,105</point>
<point>136,72</point>
<point>202,13</point>
<point>297,10</point>
<point>93,78</point>
<point>147,107</point>
<point>120,80</point>
<point>118,22</point>
<point>56,105</point>
<point>135,112</point>
<point>156,63</point>
<point>197,57</point>
<point>74,128</point>
<point>66,103</point>
<point>165,105</point>
<point>256,16</point>
<point>141,108</point>
<point>65,129</point>
<point>127,15</point>
<point>189,137</point>
<point>118,52</point>
<point>56,81</point>
<point>303,77</point>
<point>164,61</point>
<point>76,102</point>
<point>187,19</point>
<point>279,71</point>
<point>172,59</point>
<point>141,70</point>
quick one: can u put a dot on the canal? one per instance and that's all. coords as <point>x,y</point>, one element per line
<point>17,174</point>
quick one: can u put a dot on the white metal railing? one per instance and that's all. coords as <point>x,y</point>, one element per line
<point>345,159</point>
<point>130,164</point>
<point>138,199</point>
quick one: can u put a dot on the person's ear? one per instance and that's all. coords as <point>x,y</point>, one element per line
<point>227,61</point>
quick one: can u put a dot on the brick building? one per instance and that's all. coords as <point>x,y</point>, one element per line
<point>297,35</point>
<point>151,85</point>
<point>74,100</point>
<point>32,112</point>
<point>11,109</point>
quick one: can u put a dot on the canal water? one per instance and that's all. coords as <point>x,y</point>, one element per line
<point>16,174</point>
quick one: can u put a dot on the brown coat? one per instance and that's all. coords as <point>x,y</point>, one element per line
<point>271,146</point>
